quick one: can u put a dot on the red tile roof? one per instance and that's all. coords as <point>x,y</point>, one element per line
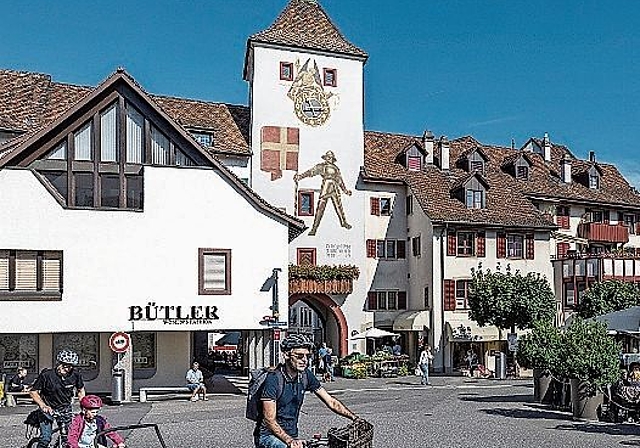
<point>508,200</point>
<point>304,24</point>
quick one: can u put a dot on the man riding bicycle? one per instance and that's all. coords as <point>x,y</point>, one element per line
<point>53,392</point>
<point>283,394</point>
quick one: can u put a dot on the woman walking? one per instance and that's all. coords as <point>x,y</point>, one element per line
<point>425,360</point>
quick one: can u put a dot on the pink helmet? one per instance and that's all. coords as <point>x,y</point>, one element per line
<point>91,402</point>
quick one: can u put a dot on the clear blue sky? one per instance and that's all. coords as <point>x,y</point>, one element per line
<point>494,69</point>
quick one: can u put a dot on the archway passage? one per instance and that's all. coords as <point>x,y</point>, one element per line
<point>324,305</point>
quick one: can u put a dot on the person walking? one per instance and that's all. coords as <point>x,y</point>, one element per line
<point>424,362</point>
<point>283,394</point>
<point>195,382</point>
<point>328,366</point>
<point>53,392</point>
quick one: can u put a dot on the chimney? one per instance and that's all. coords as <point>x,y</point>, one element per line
<point>565,169</point>
<point>546,147</point>
<point>592,156</point>
<point>444,153</point>
<point>427,142</point>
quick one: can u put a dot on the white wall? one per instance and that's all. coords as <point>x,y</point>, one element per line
<point>116,259</point>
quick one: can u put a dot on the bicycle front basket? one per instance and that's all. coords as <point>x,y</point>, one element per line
<point>358,434</point>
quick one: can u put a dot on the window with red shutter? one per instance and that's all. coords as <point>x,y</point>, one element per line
<point>372,299</point>
<point>451,244</point>
<point>375,206</point>
<point>531,244</point>
<point>402,300</point>
<point>501,246</point>
<point>401,249</point>
<point>449,295</point>
<point>562,249</point>
<point>371,248</point>
<point>480,242</point>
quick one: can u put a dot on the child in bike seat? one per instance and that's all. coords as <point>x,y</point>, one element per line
<point>87,424</point>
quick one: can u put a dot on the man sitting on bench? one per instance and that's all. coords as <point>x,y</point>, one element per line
<point>195,382</point>
<point>16,383</point>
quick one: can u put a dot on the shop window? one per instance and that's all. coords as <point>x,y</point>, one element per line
<point>143,347</point>
<point>214,271</point>
<point>306,256</point>
<point>86,345</point>
<point>305,203</point>
<point>330,77</point>
<point>18,350</point>
<point>286,71</point>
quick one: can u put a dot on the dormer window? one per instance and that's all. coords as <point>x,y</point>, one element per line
<point>476,165</point>
<point>522,172</point>
<point>414,159</point>
<point>475,198</point>
<point>204,138</point>
<point>594,179</point>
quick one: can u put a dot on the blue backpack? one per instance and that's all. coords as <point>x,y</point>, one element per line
<point>257,378</point>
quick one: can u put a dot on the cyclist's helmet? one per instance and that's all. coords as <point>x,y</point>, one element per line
<point>91,402</point>
<point>296,341</point>
<point>67,356</point>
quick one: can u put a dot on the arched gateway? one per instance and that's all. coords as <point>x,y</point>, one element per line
<point>331,314</point>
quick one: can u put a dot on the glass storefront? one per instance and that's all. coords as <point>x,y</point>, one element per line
<point>18,350</point>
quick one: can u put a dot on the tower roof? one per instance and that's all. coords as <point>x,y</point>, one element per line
<point>304,24</point>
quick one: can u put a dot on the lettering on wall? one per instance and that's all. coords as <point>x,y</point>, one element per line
<point>174,315</point>
<point>338,250</point>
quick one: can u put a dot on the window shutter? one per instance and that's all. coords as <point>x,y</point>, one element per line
<point>451,244</point>
<point>449,295</point>
<point>26,271</point>
<point>480,242</point>
<point>4,270</point>
<point>402,300</point>
<point>371,248</point>
<point>375,206</point>
<point>372,298</point>
<point>51,267</point>
<point>561,249</point>
<point>501,246</point>
<point>530,255</point>
<point>401,249</point>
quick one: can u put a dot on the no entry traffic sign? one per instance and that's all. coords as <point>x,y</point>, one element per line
<point>119,342</point>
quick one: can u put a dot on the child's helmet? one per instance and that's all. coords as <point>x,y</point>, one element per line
<point>91,402</point>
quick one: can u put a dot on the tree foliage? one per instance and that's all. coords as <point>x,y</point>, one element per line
<point>509,299</point>
<point>540,349</point>
<point>607,296</point>
<point>588,353</point>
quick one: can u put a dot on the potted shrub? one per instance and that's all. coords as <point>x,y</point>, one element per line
<point>589,358</point>
<point>539,350</point>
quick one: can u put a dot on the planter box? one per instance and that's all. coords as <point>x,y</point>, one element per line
<point>310,286</point>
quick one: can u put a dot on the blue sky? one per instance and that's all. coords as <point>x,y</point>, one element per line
<point>494,69</point>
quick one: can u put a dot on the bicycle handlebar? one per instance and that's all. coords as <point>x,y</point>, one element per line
<point>130,427</point>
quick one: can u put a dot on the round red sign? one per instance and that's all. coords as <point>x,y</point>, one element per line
<point>119,342</point>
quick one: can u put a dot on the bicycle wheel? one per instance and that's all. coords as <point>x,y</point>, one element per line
<point>33,443</point>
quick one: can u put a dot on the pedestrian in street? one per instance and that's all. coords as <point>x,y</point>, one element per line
<point>195,382</point>
<point>328,366</point>
<point>283,394</point>
<point>53,392</point>
<point>424,362</point>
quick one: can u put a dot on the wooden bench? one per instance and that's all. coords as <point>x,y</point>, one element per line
<point>11,398</point>
<point>144,391</point>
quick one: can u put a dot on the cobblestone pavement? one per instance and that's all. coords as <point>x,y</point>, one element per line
<point>453,412</point>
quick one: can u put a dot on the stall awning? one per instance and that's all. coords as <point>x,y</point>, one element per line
<point>412,321</point>
<point>469,331</point>
<point>560,236</point>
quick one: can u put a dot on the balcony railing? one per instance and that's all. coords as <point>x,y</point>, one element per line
<point>603,233</point>
<point>308,279</point>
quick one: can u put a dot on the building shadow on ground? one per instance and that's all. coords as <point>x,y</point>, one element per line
<point>517,398</point>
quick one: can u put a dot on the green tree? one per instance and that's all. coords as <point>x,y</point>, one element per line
<point>540,349</point>
<point>588,353</point>
<point>607,296</point>
<point>509,299</point>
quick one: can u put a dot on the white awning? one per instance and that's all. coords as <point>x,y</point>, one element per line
<point>412,321</point>
<point>469,331</point>
<point>560,236</point>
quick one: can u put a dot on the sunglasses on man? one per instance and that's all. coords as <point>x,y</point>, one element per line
<point>301,356</point>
